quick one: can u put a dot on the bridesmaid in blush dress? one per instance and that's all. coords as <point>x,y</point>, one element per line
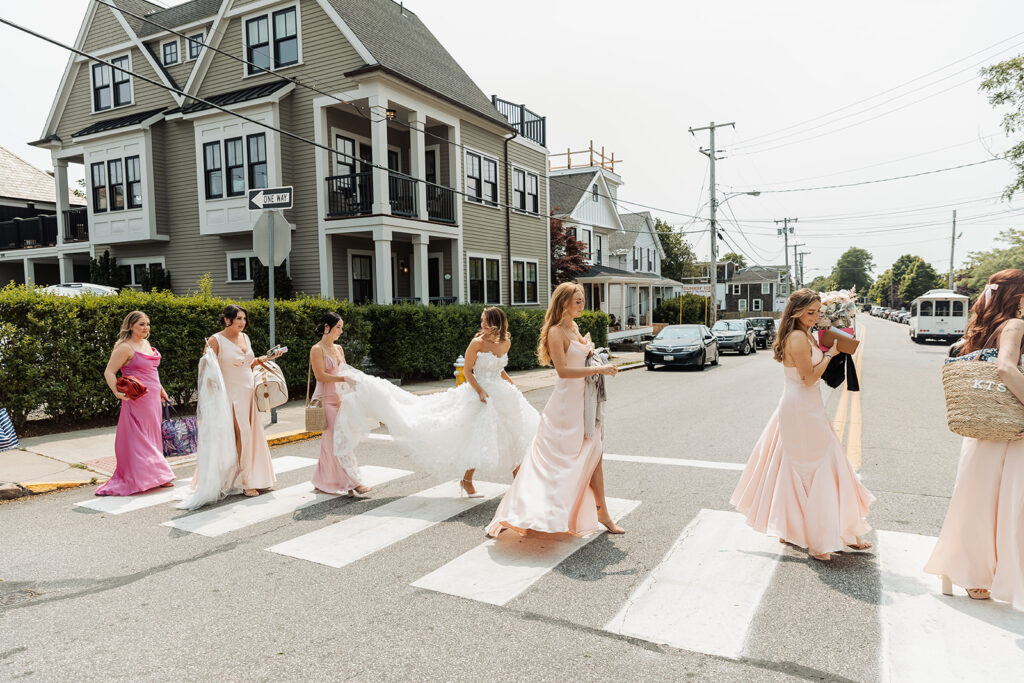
<point>981,546</point>
<point>798,484</point>
<point>138,443</point>
<point>333,474</point>
<point>560,486</point>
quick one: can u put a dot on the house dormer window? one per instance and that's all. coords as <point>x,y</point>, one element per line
<point>593,193</point>
<point>272,40</point>
<point>195,45</point>
<point>170,51</point>
<point>111,87</point>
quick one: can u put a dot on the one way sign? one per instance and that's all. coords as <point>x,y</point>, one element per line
<point>270,198</point>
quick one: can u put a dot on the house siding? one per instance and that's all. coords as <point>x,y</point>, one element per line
<point>105,31</point>
<point>483,227</point>
<point>529,233</point>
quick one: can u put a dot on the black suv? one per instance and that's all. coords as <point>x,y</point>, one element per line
<point>764,330</point>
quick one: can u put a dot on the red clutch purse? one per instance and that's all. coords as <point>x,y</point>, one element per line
<point>130,386</point>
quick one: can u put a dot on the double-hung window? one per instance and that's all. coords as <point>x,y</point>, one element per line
<point>212,170</point>
<point>524,282</point>
<point>636,259</point>
<point>234,163</point>
<point>736,290</point>
<point>490,181</point>
<point>473,176</point>
<point>484,280</point>
<point>133,176</point>
<point>257,160</point>
<point>593,193</point>
<point>650,263</point>
<point>481,179</point>
<point>272,40</point>
<point>241,266</point>
<point>115,176</point>
<point>170,50</point>
<point>101,97</point>
<point>111,87</point>
<point>519,189</point>
<point>532,193</point>
<point>195,45</point>
<point>766,288</point>
<point>99,187</point>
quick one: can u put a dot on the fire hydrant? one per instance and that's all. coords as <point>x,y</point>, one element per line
<point>460,377</point>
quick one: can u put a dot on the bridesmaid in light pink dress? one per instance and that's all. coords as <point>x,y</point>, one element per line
<point>559,488</point>
<point>326,359</point>
<point>236,357</point>
<point>798,484</point>
<point>138,442</point>
<point>981,546</point>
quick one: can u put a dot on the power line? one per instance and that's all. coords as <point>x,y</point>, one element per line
<point>883,180</point>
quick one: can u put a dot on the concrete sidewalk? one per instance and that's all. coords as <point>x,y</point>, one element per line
<point>86,456</point>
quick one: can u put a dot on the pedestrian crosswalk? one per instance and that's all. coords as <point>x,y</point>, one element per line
<point>704,594</point>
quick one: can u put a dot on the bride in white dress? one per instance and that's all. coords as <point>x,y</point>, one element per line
<point>483,426</point>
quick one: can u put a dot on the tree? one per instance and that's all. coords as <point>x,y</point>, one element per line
<point>694,310</point>
<point>282,283</point>
<point>104,271</point>
<point>881,290</point>
<point>738,259</point>
<point>982,264</point>
<point>919,279</point>
<point>680,261</point>
<point>822,283</point>
<point>568,254</point>
<point>1004,85</point>
<point>155,279</point>
<point>853,269</point>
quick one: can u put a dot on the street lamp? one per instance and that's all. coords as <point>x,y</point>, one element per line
<point>713,299</point>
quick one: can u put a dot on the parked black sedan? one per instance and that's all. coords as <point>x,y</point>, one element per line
<point>764,330</point>
<point>736,335</point>
<point>682,345</point>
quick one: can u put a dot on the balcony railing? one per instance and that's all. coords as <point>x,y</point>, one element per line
<point>350,195</point>
<point>76,225</point>
<point>29,233</point>
<point>440,204</point>
<point>529,124</point>
<point>402,191</point>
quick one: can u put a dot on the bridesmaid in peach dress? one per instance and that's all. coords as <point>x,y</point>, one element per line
<point>236,357</point>
<point>332,475</point>
<point>798,484</point>
<point>559,487</point>
<point>981,546</point>
<point>138,443</point>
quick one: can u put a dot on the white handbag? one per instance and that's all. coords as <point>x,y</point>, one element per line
<point>271,389</point>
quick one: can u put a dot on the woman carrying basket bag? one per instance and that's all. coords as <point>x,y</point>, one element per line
<point>335,472</point>
<point>981,546</point>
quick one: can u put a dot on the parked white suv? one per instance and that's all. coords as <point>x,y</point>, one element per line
<point>79,288</point>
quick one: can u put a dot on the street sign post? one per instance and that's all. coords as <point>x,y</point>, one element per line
<point>271,246</point>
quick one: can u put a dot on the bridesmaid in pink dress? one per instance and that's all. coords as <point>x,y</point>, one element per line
<point>327,358</point>
<point>234,351</point>
<point>138,445</point>
<point>981,546</point>
<point>798,484</point>
<point>559,487</point>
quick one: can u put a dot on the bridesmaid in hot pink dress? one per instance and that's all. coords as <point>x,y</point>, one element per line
<point>559,487</point>
<point>332,475</point>
<point>138,445</point>
<point>798,484</point>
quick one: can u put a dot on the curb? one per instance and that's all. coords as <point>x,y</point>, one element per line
<point>292,437</point>
<point>13,491</point>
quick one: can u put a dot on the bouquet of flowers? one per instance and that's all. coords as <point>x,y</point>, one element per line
<point>838,309</point>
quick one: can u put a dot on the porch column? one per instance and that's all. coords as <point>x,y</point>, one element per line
<point>30,271</point>
<point>458,263</point>
<point>650,304</point>
<point>379,140</point>
<point>67,268</point>
<point>382,264</point>
<point>418,163</point>
<point>420,268</point>
<point>638,304</point>
<point>60,177</point>
<point>622,305</point>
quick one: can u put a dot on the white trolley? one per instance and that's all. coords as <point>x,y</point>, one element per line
<point>938,314</point>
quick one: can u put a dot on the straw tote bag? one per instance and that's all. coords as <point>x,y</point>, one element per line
<point>978,403</point>
<point>316,416</point>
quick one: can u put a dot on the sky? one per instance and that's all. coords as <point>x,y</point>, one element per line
<point>821,94</point>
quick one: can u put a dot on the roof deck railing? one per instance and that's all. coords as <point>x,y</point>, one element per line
<point>529,124</point>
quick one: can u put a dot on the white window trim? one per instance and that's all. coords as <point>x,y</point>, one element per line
<point>501,271</point>
<point>373,273</point>
<point>526,194</point>
<point>228,255</point>
<point>335,132</point>
<point>268,13</point>
<point>525,301</point>
<point>178,51</point>
<point>440,271</point>
<point>737,290</point>
<point>131,85</point>
<point>755,305</point>
<point>766,288</point>
<point>188,45</point>
<point>497,180</point>
<point>741,305</point>
<point>132,262</point>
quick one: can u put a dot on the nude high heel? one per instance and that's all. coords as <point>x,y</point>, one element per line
<point>465,492</point>
<point>947,585</point>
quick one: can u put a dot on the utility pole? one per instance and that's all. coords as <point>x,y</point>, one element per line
<point>786,231</point>
<point>952,250</point>
<point>800,267</point>
<point>796,274</point>
<point>713,263</point>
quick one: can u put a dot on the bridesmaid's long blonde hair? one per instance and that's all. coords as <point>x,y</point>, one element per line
<point>561,299</point>
<point>126,326</point>
<point>796,304</point>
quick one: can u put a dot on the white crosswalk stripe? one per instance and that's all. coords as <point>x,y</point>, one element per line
<point>719,569</point>
<point>353,539</point>
<point>247,511</point>
<point>498,570</point>
<point>118,505</point>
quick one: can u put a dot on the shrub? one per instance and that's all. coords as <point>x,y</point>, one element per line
<point>693,310</point>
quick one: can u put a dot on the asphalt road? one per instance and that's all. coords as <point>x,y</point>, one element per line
<point>88,595</point>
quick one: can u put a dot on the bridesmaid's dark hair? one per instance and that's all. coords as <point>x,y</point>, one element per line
<point>327,321</point>
<point>999,301</point>
<point>230,312</point>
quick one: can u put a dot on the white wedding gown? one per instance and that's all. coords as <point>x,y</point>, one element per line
<point>446,433</point>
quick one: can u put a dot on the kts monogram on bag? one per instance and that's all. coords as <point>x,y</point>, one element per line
<point>978,404</point>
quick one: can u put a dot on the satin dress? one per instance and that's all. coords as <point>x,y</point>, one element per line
<point>138,444</point>
<point>255,470</point>
<point>551,492</point>
<point>333,474</point>
<point>798,484</point>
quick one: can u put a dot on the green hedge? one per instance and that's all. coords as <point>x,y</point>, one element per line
<point>53,349</point>
<point>693,310</point>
